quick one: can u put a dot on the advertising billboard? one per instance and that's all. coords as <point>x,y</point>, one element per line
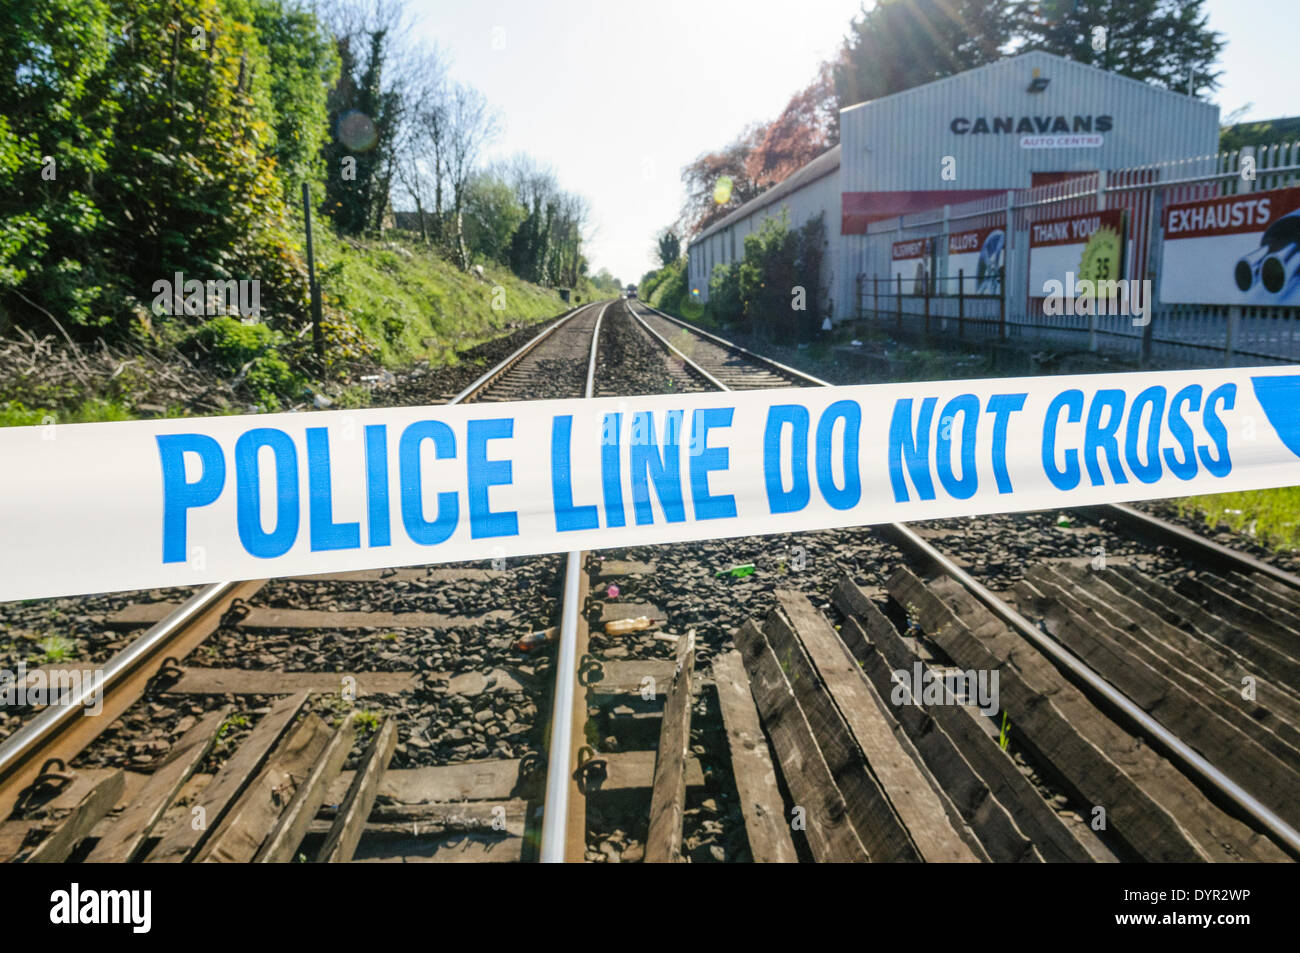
<point>1082,247</point>
<point>978,255</point>
<point>913,261</point>
<point>1243,250</point>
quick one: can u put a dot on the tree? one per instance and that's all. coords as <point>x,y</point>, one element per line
<point>471,125</point>
<point>807,127</point>
<point>158,119</point>
<point>55,130</point>
<point>421,140</point>
<point>670,246</point>
<point>546,248</point>
<point>899,44</point>
<point>1163,42</point>
<point>304,61</point>
<point>718,183</point>
<point>492,216</point>
<point>367,108</point>
<point>777,260</point>
<point>605,283</point>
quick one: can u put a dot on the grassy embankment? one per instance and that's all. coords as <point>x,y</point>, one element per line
<point>408,303</point>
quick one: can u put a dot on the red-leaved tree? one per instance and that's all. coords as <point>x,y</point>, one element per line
<point>718,183</point>
<point>807,127</point>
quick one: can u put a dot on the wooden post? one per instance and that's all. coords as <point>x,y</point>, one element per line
<point>760,798</point>
<point>961,302</point>
<point>318,342</point>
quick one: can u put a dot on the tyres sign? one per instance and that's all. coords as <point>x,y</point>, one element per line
<point>1242,249</point>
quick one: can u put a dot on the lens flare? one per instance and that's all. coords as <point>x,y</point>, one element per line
<point>357,131</point>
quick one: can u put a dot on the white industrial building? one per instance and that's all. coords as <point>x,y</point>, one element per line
<point>1025,121</point>
<point>811,191</point>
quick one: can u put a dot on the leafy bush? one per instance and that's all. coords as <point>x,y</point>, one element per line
<point>777,261</point>
<point>168,151</point>
<point>670,290</point>
<point>649,281</point>
<point>251,353</point>
<point>725,303</point>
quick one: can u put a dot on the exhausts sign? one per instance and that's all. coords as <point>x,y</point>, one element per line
<point>1242,250</point>
<point>140,504</point>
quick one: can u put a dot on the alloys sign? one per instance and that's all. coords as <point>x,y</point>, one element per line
<point>1242,250</point>
<point>977,257</point>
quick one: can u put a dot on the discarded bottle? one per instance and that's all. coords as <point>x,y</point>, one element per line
<point>737,572</point>
<point>625,626</point>
<point>537,639</point>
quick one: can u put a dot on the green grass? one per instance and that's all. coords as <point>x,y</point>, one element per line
<point>411,304</point>
<point>233,722</point>
<point>55,649</point>
<point>408,303</point>
<point>1272,517</point>
<point>94,410</point>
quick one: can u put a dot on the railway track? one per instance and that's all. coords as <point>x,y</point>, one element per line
<point>393,715</point>
<point>255,743</point>
<point>1169,652</point>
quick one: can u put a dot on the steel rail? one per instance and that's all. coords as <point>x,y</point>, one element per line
<point>125,661</point>
<point>690,365</point>
<point>1208,550</point>
<point>53,726</point>
<point>1080,672</point>
<point>55,734</point>
<point>732,346</point>
<point>560,759</point>
<point>1083,673</point>
<point>489,377</point>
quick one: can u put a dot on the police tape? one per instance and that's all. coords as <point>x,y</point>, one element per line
<point>143,504</point>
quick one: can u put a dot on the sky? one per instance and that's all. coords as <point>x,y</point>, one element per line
<point>618,95</point>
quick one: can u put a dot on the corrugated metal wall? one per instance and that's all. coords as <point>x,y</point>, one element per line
<point>821,196</point>
<point>900,142</point>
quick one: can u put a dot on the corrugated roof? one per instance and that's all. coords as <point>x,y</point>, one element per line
<point>1017,60</point>
<point>823,165</point>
